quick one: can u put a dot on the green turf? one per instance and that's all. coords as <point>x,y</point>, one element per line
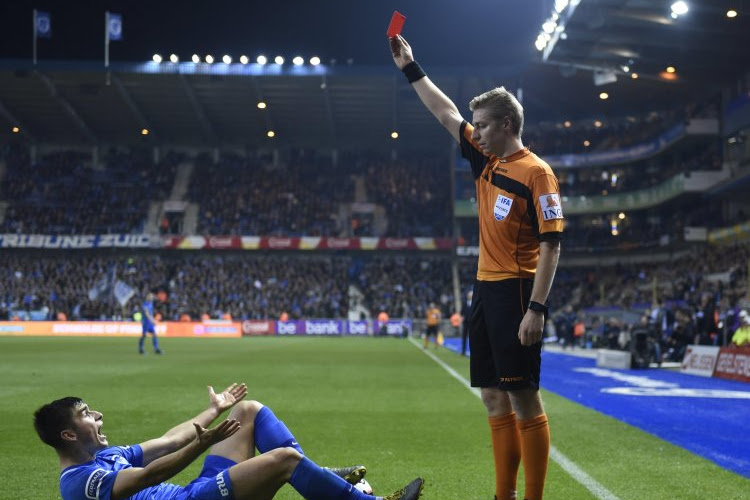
<point>380,402</point>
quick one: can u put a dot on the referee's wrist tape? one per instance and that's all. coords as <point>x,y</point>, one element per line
<point>413,72</point>
<point>538,307</point>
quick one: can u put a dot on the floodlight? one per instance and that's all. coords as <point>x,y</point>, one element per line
<point>679,8</point>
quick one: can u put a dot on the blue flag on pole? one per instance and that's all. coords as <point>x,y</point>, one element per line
<point>43,24</point>
<point>114,27</point>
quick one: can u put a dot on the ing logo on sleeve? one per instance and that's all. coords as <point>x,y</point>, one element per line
<point>551,207</point>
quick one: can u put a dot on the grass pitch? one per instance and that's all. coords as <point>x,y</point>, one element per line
<point>380,402</point>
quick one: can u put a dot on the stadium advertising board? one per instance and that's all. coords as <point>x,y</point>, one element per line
<point>310,327</point>
<point>397,327</point>
<point>258,327</point>
<point>700,360</point>
<point>733,363</point>
<point>120,328</point>
<point>336,327</point>
<point>78,242</point>
<point>303,243</point>
<point>358,328</point>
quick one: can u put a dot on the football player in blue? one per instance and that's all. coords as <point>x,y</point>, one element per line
<point>91,469</point>
<point>148,324</point>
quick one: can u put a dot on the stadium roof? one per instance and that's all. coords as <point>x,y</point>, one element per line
<point>358,100</point>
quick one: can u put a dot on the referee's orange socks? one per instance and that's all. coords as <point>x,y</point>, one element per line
<point>535,454</point>
<point>506,447</point>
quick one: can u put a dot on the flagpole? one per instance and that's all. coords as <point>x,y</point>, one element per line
<point>106,39</point>
<point>34,41</point>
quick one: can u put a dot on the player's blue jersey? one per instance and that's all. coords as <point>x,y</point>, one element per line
<point>94,480</point>
<point>148,305</point>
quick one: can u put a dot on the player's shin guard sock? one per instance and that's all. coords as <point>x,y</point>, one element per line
<point>315,483</point>
<point>156,343</point>
<point>506,447</point>
<point>271,433</point>
<point>535,454</point>
<point>140,343</point>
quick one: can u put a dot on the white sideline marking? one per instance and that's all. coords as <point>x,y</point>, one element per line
<point>588,482</point>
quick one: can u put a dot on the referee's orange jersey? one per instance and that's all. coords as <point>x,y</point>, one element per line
<point>433,316</point>
<point>518,199</point>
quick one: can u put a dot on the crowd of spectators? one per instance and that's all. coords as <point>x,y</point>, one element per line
<point>255,197</point>
<point>694,297</point>
<point>702,154</point>
<point>304,192</point>
<point>404,286</point>
<point>605,134</point>
<point>65,193</point>
<point>415,194</point>
<point>241,286</point>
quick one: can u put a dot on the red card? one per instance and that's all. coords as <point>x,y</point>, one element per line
<point>397,24</point>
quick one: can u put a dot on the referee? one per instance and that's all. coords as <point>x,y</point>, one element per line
<point>520,227</point>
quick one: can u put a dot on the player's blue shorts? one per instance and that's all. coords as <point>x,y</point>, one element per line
<point>213,482</point>
<point>148,327</point>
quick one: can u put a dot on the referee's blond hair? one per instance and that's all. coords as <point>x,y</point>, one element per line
<point>501,103</point>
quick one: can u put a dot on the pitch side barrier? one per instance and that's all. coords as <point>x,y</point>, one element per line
<point>723,362</point>
<point>210,328</point>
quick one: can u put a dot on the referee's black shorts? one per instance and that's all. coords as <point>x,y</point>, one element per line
<point>497,357</point>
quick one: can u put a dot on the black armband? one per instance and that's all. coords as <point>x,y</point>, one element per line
<point>413,72</point>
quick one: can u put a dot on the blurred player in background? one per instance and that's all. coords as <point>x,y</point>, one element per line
<point>148,324</point>
<point>432,317</point>
<point>92,469</point>
<point>520,227</point>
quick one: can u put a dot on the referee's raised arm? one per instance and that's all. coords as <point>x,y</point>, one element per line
<point>432,97</point>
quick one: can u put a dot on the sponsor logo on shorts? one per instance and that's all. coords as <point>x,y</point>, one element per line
<point>511,379</point>
<point>221,483</point>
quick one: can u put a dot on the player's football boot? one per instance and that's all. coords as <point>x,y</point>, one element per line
<point>351,475</point>
<point>411,491</point>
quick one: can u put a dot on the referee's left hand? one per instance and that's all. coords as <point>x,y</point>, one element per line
<point>532,327</point>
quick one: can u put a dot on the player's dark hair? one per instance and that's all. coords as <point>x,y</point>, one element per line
<point>51,419</point>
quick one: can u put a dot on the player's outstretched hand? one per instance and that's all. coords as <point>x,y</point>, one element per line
<point>228,398</point>
<point>210,437</point>
<point>401,51</point>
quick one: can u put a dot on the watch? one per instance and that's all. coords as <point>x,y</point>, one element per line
<point>538,307</point>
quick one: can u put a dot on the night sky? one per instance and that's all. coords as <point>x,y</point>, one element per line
<point>442,32</point>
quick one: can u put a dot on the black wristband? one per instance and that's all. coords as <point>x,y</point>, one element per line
<point>538,307</point>
<point>413,72</point>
